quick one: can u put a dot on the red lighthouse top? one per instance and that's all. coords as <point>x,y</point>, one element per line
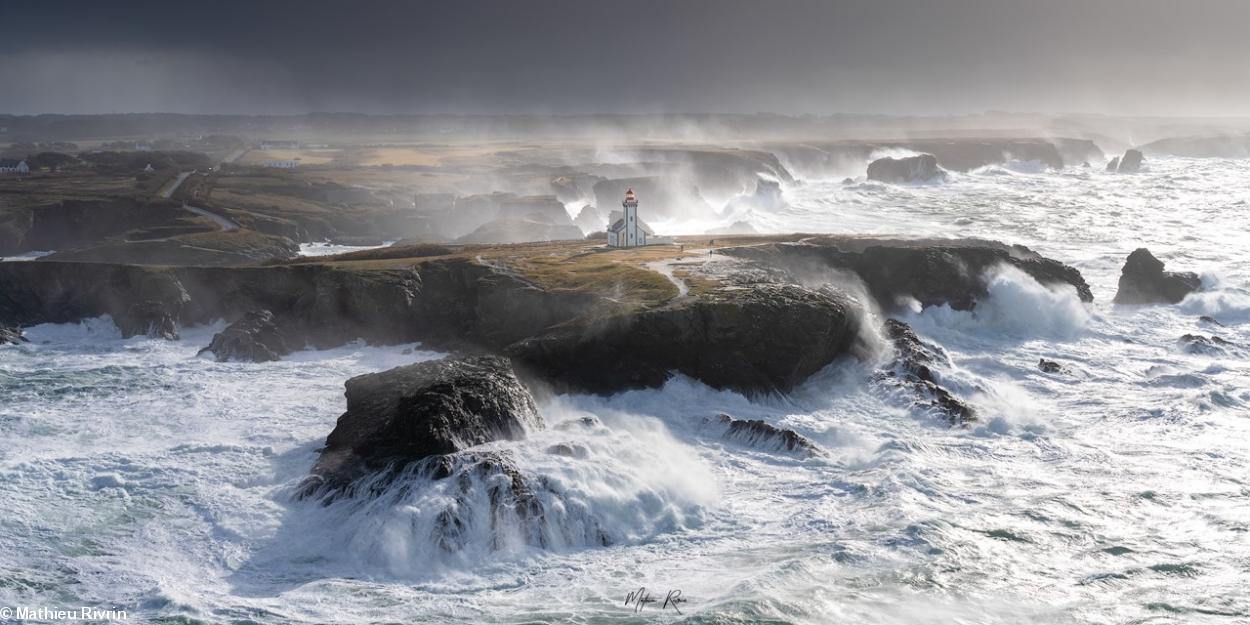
<point>629,195</point>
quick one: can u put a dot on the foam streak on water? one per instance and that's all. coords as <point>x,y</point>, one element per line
<point>138,476</point>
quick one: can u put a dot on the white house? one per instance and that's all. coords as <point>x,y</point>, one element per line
<point>282,164</point>
<point>20,168</point>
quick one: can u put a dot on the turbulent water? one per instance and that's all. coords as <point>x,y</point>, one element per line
<point>136,476</point>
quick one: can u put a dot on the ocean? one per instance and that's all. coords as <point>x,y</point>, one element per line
<point>136,476</point>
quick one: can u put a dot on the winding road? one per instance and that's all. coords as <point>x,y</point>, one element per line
<point>224,223</point>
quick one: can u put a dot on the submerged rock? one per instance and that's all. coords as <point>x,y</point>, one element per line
<point>920,168</point>
<point>914,367</point>
<point>406,414</point>
<point>1049,366</point>
<point>760,338</point>
<point>12,335</point>
<point>762,435</point>
<point>1204,346</point>
<point>256,337</point>
<point>1143,281</point>
<point>477,499</point>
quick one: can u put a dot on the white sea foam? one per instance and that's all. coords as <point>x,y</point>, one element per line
<point>135,475</point>
<point>1016,305</point>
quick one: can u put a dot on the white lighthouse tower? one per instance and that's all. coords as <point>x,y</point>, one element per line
<point>628,230</point>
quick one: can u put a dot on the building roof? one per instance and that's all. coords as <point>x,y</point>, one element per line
<point>617,226</point>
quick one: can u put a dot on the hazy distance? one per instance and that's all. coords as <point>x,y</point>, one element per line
<point>1121,57</point>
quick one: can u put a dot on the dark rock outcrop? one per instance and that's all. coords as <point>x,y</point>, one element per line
<point>148,318</point>
<point>447,304</point>
<point>932,272</point>
<point>1143,281</point>
<point>1113,165</point>
<point>754,339</point>
<point>1049,366</point>
<point>1203,346</point>
<point>914,367</point>
<point>1131,162</point>
<point>485,499</point>
<point>919,168</point>
<point>406,414</point>
<point>1230,146</point>
<point>762,435</point>
<point>12,336</point>
<point>257,337</point>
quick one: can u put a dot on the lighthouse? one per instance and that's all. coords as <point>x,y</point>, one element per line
<point>627,230</point>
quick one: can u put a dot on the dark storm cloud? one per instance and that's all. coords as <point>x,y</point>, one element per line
<point>913,56</point>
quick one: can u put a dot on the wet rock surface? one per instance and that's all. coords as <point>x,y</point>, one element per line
<point>914,367</point>
<point>933,272</point>
<point>148,318</point>
<point>761,435</point>
<point>1131,162</point>
<point>911,169</point>
<point>1205,346</point>
<point>407,414</point>
<point>1143,281</point>
<point>257,337</point>
<point>759,339</point>
<point>12,336</point>
<point>1049,366</point>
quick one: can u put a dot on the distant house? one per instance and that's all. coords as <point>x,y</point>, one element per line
<point>282,164</point>
<point>14,167</point>
<point>149,168</point>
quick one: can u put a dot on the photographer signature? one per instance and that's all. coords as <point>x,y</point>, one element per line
<point>639,599</point>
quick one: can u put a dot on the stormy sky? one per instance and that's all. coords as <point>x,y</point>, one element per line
<point>1132,57</point>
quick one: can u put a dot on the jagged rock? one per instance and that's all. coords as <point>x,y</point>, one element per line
<point>1211,320</point>
<point>913,366</point>
<point>476,498</point>
<point>256,337</point>
<point>932,272</point>
<point>148,318</point>
<point>1131,162</point>
<point>406,414</point>
<point>760,338</point>
<point>516,511</point>
<point>920,168</point>
<point>762,435</point>
<point>1113,165</point>
<point>1049,366</point>
<point>1201,345</point>
<point>1143,281</point>
<point>12,335</point>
